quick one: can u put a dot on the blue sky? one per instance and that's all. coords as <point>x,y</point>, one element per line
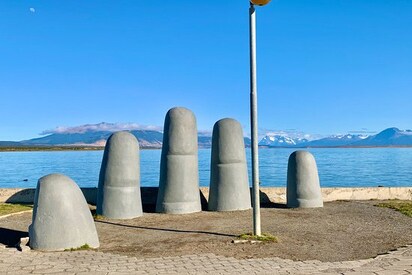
<point>324,67</point>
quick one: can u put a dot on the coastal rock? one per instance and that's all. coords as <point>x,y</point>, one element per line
<point>229,184</point>
<point>61,217</point>
<point>118,194</point>
<point>303,187</point>
<point>179,175</point>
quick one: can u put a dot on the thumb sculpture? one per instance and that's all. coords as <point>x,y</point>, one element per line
<point>61,217</point>
<point>229,184</point>
<point>179,176</point>
<point>303,187</point>
<point>118,195</point>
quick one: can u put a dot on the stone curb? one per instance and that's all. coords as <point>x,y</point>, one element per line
<point>15,213</point>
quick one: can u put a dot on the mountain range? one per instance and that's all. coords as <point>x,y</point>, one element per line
<point>154,138</point>
<point>386,138</point>
<point>146,138</point>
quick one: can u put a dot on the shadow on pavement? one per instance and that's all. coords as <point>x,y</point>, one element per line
<point>10,237</point>
<point>267,203</point>
<point>167,229</point>
<point>274,205</point>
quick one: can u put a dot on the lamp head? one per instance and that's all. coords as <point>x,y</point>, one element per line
<point>259,2</point>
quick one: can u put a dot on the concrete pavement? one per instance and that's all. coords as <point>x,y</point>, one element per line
<point>13,261</point>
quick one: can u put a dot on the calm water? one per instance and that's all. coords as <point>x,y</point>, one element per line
<point>337,167</point>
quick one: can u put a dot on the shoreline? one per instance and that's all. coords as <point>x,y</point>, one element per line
<point>101,148</point>
<point>268,195</point>
<point>60,148</point>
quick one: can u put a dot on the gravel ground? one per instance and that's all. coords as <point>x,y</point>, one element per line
<point>340,231</point>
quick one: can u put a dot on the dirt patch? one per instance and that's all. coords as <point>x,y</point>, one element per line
<point>342,230</point>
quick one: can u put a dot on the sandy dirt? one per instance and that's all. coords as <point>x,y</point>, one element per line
<point>340,231</point>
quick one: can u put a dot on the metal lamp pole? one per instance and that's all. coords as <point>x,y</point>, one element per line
<point>253,116</point>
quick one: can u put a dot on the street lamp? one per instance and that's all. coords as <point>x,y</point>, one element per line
<point>260,2</point>
<point>253,115</point>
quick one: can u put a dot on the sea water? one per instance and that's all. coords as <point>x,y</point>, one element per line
<point>338,167</point>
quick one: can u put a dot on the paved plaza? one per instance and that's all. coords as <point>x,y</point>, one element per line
<point>13,261</point>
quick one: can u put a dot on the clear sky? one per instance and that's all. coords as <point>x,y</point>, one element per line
<point>324,66</point>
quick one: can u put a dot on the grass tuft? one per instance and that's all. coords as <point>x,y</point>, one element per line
<point>9,208</point>
<point>401,206</point>
<point>83,247</point>
<point>265,237</point>
<point>97,217</point>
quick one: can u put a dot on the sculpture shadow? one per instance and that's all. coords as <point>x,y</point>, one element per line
<point>203,202</point>
<point>265,202</point>
<point>10,237</point>
<point>26,196</point>
<point>167,229</point>
<point>22,196</point>
<point>149,197</point>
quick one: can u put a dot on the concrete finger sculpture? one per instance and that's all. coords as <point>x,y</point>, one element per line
<point>61,217</point>
<point>179,175</point>
<point>118,195</point>
<point>303,187</point>
<point>229,184</point>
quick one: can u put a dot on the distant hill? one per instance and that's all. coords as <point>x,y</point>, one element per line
<point>146,138</point>
<point>10,144</point>
<point>70,138</point>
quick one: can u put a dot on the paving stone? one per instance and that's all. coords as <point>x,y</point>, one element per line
<point>92,262</point>
<point>391,272</point>
<point>94,273</point>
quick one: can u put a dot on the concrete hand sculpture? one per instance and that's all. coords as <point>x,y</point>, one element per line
<point>61,217</point>
<point>179,174</point>
<point>229,184</point>
<point>303,187</point>
<point>118,195</point>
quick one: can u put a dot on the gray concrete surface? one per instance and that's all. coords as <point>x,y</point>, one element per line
<point>229,184</point>
<point>303,186</point>
<point>61,217</point>
<point>118,195</point>
<point>13,262</point>
<point>179,174</point>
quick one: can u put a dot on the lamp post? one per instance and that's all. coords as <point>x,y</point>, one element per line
<point>253,116</point>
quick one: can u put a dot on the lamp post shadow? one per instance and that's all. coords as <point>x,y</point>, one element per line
<point>167,229</point>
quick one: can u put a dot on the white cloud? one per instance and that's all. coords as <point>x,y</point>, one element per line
<point>33,10</point>
<point>103,126</point>
<point>362,131</point>
<point>205,133</point>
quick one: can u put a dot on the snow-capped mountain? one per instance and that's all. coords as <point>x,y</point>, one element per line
<point>281,141</point>
<point>389,137</point>
<point>336,140</point>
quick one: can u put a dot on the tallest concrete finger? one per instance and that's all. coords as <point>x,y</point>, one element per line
<point>229,184</point>
<point>179,173</point>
